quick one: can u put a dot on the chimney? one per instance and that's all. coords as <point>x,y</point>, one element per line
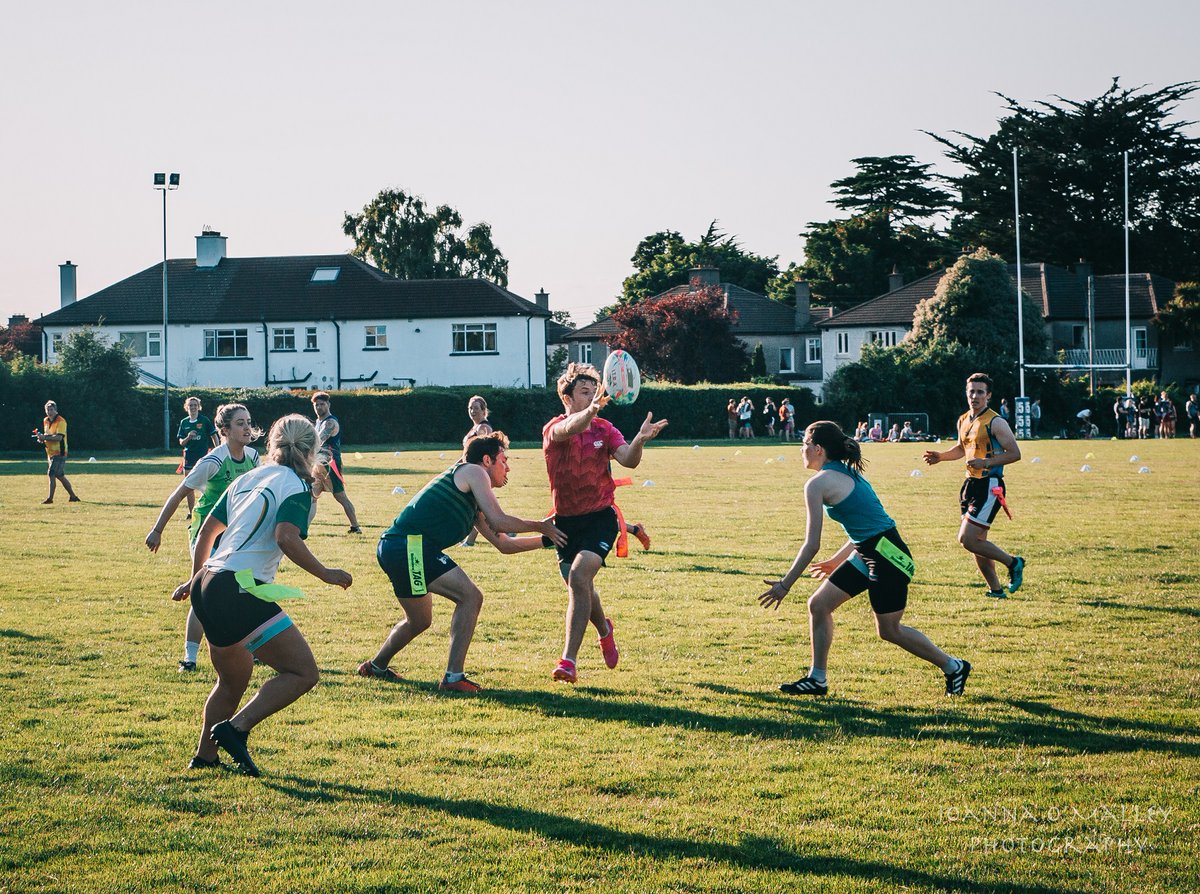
<point>210,248</point>
<point>895,279</point>
<point>803,304</point>
<point>66,283</point>
<point>17,320</point>
<point>542,298</point>
<point>699,277</point>
<point>1083,268</point>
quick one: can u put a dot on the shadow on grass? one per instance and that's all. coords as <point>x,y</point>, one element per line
<point>1186,611</point>
<point>753,852</point>
<point>21,634</point>
<point>1069,731</point>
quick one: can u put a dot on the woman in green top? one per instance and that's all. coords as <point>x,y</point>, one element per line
<point>211,475</point>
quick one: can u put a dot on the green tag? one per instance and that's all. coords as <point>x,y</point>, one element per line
<point>416,564</point>
<point>898,557</point>
<point>265,592</point>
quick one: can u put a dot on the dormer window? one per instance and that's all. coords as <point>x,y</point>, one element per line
<point>325,274</point>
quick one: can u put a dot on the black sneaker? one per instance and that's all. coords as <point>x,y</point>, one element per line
<point>996,594</point>
<point>1016,574</point>
<point>234,743</point>
<point>199,763</point>
<point>805,686</point>
<point>957,681</point>
<point>186,667</point>
<point>354,529</point>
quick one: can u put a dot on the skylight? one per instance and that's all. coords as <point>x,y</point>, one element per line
<point>325,274</point>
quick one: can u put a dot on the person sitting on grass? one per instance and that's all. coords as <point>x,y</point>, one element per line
<point>874,559</point>
<point>263,516</point>
<point>412,554</point>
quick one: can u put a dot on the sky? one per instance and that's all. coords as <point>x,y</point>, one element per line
<point>574,129</point>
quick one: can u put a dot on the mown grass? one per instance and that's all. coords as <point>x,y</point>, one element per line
<point>1071,764</point>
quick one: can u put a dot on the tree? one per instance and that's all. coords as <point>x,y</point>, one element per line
<point>398,234</point>
<point>1179,320</point>
<point>22,337</point>
<point>686,338</point>
<point>1071,181</point>
<point>848,261</point>
<point>663,259</point>
<point>894,186</point>
<point>758,361</point>
<point>86,356</point>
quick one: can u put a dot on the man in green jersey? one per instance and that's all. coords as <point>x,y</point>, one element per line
<point>411,553</point>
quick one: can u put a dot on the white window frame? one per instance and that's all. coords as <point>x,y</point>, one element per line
<point>814,350</point>
<point>238,339</point>
<point>473,338</point>
<point>150,346</point>
<point>883,338</point>
<point>283,339</point>
<point>376,337</point>
<point>843,344</point>
<point>1141,343</point>
<point>787,360</point>
<point>585,352</point>
<point>310,338</point>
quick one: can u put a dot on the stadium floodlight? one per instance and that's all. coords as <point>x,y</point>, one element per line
<point>164,183</point>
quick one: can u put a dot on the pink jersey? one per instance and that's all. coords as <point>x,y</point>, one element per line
<point>580,478</point>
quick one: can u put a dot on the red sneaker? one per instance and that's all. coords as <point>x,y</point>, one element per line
<point>609,647</point>
<point>565,672</point>
<point>367,669</point>
<point>642,536</point>
<point>463,685</point>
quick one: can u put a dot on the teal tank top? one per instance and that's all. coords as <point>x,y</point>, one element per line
<point>860,514</point>
<point>440,512</point>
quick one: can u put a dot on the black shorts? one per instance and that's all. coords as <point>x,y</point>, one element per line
<point>977,501</point>
<point>411,564</point>
<point>867,569</point>
<point>595,532</point>
<point>230,615</point>
<point>56,466</point>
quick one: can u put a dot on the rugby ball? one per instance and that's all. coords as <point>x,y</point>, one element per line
<point>622,380</point>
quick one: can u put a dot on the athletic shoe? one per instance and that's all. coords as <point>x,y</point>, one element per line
<point>609,647</point>
<point>74,500</point>
<point>367,669</point>
<point>187,517</point>
<point>996,594</point>
<point>467,542</point>
<point>234,742</point>
<point>957,681</point>
<point>1016,575</point>
<point>47,501</point>
<point>199,763</point>
<point>463,685</point>
<point>565,672</point>
<point>805,686</point>
<point>186,667</point>
<point>642,536</point>
<point>354,529</point>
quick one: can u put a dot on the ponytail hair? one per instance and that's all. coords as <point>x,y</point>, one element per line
<point>830,437</point>
<point>223,418</point>
<point>293,443</point>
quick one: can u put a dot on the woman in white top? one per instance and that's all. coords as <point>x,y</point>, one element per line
<point>262,517</point>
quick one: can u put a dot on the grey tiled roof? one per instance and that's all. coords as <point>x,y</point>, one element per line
<point>240,290</point>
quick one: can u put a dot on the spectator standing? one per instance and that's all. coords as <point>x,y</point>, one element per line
<point>1035,416</point>
<point>732,413</point>
<point>745,412</point>
<point>1193,415</point>
<point>1004,414</point>
<point>770,411</point>
<point>787,415</point>
<point>53,437</point>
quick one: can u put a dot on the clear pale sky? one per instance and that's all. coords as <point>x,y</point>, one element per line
<point>574,129</point>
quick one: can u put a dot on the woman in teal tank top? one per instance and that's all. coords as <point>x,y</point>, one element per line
<point>874,558</point>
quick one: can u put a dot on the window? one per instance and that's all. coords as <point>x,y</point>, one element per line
<point>1141,346</point>
<point>56,342</point>
<point>223,343</point>
<point>142,344</point>
<point>310,338</point>
<point>585,352</point>
<point>785,360</point>
<point>884,338</point>
<point>843,343</point>
<point>1078,336</point>
<point>283,339</point>
<point>814,350</point>
<point>325,274</point>
<point>376,338</point>
<point>473,338</point>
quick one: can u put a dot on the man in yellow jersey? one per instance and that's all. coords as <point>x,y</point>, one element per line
<point>53,437</point>
<point>988,444</point>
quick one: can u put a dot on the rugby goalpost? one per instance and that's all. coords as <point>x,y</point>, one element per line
<point>1021,407</point>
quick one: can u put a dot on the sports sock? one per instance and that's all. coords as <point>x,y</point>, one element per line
<point>191,651</point>
<point>454,678</point>
<point>818,674</point>
<point>953,666</point>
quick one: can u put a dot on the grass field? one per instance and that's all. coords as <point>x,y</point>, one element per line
<point>1069,765</point>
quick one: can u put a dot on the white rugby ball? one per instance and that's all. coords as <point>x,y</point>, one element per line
<point>622,380</point>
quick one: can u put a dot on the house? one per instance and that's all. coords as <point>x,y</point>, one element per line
<point>791,342</point>
<point>310,321</point>
<point>1084,316</point>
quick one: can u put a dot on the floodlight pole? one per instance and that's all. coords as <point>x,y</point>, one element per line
<point>162,183</point>
<point>1020,303</point>
<point>1128,329</point>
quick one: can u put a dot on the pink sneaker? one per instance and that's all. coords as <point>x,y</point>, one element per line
<point>609,646</point>
<point>565,672</point>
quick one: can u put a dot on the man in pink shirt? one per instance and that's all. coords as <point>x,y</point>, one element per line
<point>579,446</point>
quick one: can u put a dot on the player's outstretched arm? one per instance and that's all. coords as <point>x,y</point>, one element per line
<point>813,497</point>
<point>630,455</point>
<point>154,538</point>
<point>287,538</point>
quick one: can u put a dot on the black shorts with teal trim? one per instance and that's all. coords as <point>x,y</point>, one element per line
<point>228,613</point>
<point>867,569</point>
<point>411,572</point>
<point>977,501</point>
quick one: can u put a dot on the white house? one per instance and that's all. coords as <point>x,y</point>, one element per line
<point>309,321</point>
